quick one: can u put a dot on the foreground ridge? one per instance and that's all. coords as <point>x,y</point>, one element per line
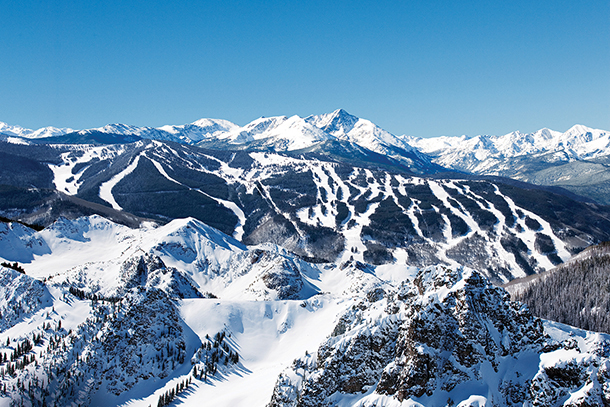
<point>109,315</point>
<point>447,338</point>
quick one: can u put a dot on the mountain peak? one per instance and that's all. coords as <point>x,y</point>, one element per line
<point>339,122</point>
<point>579,128</point>
<point>341,112</point>
<point>216,123</point>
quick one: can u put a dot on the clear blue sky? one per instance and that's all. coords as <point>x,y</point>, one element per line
<point>423,68</point>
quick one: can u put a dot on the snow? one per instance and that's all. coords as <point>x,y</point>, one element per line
<point>64,178</point>
<point>16,140</point>
<point>482,154</point>
<point>28,133</point>
<point>266,347</point>
<point>280,133</point>
<point>268,334</point>
<point>343,126</point>
<point>106,188</point>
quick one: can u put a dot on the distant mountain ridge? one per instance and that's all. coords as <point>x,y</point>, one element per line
<point>577,160</point>
<point>282,132</point>
<point>479,154</point>
<point>17,131</point>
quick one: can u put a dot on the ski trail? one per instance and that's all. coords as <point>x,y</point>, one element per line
<point>410,211</point>
<point>324,212</point>
<point>63,177</point>
<point>438,190</point>
<point>355,247</point>
<point>105,191</point>
<point>499,227</point>
<point>530,236</point>
<point>232,206</point>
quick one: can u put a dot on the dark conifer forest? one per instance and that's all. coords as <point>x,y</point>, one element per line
<point>576,293</point>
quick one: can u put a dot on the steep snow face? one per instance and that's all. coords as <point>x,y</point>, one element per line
<point>19,243</point>
<point>293,134</point>
<point>279,133</point>
<point>447,335</point>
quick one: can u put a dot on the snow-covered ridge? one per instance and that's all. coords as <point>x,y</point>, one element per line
<point>96,254</point>
<point>18,131</point>
<point>481,153</point>
<point>280,133</point>
<point>365,133</point>
<point>447,337</point>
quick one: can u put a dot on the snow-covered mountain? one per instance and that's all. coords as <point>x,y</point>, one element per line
<point>201,129</point>
<point>108,315</point>
<point>577,159</point>
<point>316,209</point>
<point>121,310</point>
<point>491,154</point>
<point>447,337</point>
<point>365,133</point>
<point>314,261</point>
<point>279,134</point>
<point>17,131</point>
<point>485,154</point>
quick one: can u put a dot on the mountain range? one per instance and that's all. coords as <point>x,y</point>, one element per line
<point>318,261</point>
<point>576,160</point>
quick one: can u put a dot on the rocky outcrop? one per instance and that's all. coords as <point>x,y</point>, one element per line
<point>149,271</point>
<point>445,332</point>
<point>20,297</point>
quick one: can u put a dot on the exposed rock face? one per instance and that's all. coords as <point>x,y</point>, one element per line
<point>279,275</point>
<point>286,280</point>
<point>135,339</point>
<point>148,324</point>
<point>432,339</point>
<point>20,297</point>
<point>149,271</point>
